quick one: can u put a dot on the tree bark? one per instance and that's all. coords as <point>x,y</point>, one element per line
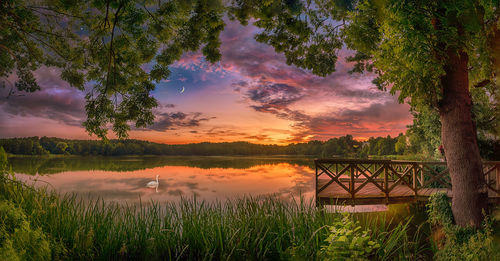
<point>459,139</point>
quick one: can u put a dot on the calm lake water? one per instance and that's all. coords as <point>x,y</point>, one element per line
<point>124,179</point>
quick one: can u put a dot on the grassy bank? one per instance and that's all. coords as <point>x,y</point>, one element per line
<point>246,228</point>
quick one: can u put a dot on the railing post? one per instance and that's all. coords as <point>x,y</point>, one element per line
<point>422,180</point>
<point>386,182</point>
<point>351,185</point>
<point>316,184</point>
<point>414,174</point>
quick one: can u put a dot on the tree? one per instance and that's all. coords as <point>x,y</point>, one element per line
<point>61,147</point>
<point>400,146</point>
<point>430,52</point>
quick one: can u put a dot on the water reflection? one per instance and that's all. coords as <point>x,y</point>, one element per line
<point>53,165</point>
<point>127,179</point>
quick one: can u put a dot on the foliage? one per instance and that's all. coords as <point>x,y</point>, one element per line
<point>348,240</point>
<point>425,132</point>
<point>401,145</point>
<point>439,209</point>
<point>18,240</point>
<point>402,232</point>
<point>415,142</point>
<point>468,245</point>
<point>342,146</point>
<point>461,243</point>
<point>3,159</point>
<point>381,146</point>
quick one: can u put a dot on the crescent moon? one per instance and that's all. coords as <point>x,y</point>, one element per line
<point>182,89</point>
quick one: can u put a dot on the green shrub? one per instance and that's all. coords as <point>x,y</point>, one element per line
<point>461,243</point>
<point>18,241</point>
<point>439,210</point>
<point>347,240</point>
<point>3,159</point>
<point>464,245</point>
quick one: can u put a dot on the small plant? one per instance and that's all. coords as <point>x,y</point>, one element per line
<point>348,240</point>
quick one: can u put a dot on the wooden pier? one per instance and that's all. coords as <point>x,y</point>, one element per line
<point>366,182</point>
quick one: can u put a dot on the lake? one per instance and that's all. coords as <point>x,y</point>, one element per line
<point>124,179</point>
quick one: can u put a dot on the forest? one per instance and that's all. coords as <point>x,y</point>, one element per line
<point>345,146</point>
<point>342,146</point>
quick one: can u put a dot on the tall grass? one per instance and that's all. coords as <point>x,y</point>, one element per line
<point>258,228</point>
<point>401,239</point>
<point>248,228</point>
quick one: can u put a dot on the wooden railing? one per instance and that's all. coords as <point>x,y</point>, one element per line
<point>386,175</point>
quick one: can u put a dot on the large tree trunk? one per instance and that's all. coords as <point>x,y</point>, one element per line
<point>459,139</point>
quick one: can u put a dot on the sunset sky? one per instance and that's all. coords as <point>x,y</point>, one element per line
<point>250,95</point>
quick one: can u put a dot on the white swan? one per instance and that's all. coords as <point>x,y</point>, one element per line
<point>154,184</point>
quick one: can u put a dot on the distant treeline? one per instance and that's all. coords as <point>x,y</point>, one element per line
<point>342,146</point>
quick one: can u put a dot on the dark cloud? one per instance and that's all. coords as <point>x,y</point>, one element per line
<point>224,132</point>
<point>273,98</point>
<point>274,94</point>
<point>261,137</point>
<point>172,120</point>
<point>56,100</point>
<point>258,61</point>
<point>167,106</point>
<point>382,112</point>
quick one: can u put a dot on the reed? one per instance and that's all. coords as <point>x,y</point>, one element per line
<point>250,228</point>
